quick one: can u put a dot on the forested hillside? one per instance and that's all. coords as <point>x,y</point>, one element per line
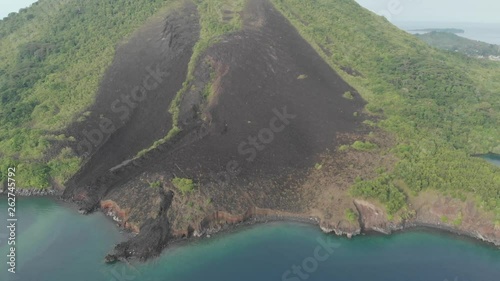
<point>442,107</point>
<point>52,57</point>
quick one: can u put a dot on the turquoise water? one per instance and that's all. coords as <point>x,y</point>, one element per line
<point>56,243</point>
<point>495,159</point>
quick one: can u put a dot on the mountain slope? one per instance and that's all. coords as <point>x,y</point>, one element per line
<point>431,155</point>
<point>443,107</point>
<point>53,56</point>
<point>261,110</point>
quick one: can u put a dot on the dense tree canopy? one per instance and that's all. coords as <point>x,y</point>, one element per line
<point>443,107</point>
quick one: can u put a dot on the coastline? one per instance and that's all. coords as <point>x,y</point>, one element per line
<point>217,226</point>
<point>244,239</point>
<point>34,192</point>
<point>228,229</point>
<point>222,227</point>
<point>405,227</point>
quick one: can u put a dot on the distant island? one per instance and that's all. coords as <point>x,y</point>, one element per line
<point>454,43</point>
<point>447,30</point>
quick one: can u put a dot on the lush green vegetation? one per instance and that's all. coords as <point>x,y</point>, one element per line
<point>383,189</point>
<point>348,95</point>
<point>364,146</point>
<point>155,184</point>
<point>52,57</point>
<point>351,216</point>
<point>184,185</point>
<point>458,221</point>
<point>455,43</point>
<point>443,107</point>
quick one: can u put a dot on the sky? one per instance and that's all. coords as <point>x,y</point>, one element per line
<point>9,6</point>
<point>477,11</point>
<point>480,11</point>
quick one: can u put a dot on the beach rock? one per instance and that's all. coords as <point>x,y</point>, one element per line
<point>110,259</point>
<point>27,192</point>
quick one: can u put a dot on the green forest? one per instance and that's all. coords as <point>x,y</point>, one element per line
<point>52,57</point>
<point>442,107</point>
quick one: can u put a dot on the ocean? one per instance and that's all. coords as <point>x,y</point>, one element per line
<point>55,243</point>
<point>486,32</point>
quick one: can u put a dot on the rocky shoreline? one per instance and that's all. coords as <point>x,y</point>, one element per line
<point>34,192</point>
<point>408,226</point>
<point>221,223</point>
<point>138,247</point>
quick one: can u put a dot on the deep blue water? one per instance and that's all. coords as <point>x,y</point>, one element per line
<point>56,243</point>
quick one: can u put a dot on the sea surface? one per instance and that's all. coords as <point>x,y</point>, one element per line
<point>493,158</point>
<point>485,32</point>
<point>55,243</point>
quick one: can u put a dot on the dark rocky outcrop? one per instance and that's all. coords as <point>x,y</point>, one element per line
<point>152,238</point>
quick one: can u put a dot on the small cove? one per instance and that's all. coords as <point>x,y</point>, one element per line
<point>56,243</point>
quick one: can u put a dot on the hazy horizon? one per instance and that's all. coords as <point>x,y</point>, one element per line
<point>450,11</point>
<point>446,11</point>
